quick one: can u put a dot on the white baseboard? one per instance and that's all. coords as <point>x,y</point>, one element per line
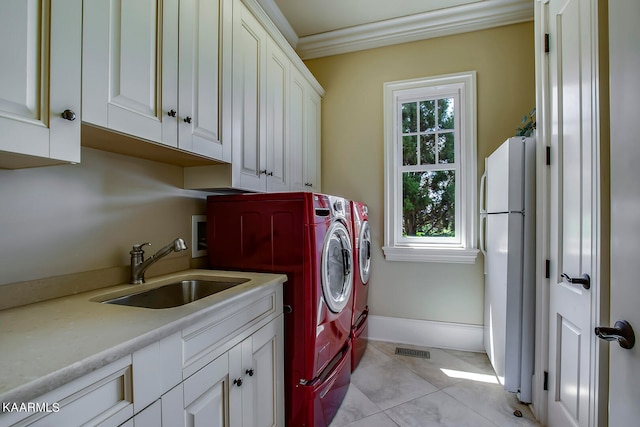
<point>426,333</point>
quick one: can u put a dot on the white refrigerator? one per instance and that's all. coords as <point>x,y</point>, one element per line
<point>507,240</point>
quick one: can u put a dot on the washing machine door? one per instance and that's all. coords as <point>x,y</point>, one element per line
<point>364,252</point>
<point>337,274</point>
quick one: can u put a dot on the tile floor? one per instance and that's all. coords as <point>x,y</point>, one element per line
<point>389,390</point>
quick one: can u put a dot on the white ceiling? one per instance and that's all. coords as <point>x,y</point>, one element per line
<point>318,28</point>
<point>310,17</point>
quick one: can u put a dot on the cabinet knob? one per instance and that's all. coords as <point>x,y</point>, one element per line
<point>69,115</point>
<point>237,382</point>
<point>172,113</point>
<point>308,184</point>
<point>249,372</point>
<point>187,119</point>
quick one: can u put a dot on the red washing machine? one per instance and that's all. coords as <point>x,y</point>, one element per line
<point>308,237</point>
<point>361,270</point>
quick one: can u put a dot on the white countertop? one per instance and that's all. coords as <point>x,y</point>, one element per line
<point>50,343</point>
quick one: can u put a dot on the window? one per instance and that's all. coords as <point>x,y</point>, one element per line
<point>430,169</point>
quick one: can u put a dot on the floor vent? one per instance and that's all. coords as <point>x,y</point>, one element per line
<point>413,353</point>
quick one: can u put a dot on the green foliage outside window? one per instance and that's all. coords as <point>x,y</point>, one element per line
<point>428,140</point>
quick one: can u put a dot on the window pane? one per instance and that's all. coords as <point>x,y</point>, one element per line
<point>427,116</point>
<point>427,149</point>
<point>445,113</point>
<point>409,118</point>
<point>428,204</point>
<point>446,148</point>
<point>409,150</point>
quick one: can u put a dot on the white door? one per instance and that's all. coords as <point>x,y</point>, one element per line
<point>624,372</point>
<point>311,147</point>
<point>574,214</point>
<point>208,395</point>
<point>121,80</point>
<point>277,144</point>
<point>297,111</point>
<point>198,99</point>
<point>256,378</point>
<point>249,94</point>
<point>266,377</point>
<point>42,44</point>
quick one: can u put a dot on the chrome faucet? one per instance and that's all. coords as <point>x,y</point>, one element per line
<point>139,265</point>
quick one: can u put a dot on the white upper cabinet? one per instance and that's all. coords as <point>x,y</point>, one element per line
<point>304,134</point>
<point>259,105</point>
<point>277,138</point>
<point>248,102</point>
<point>199,79</point>
<point>273,98</point>
<point>40,82</point>
<point>151,70</point>
<point>298,90</point>
<point>311,144</point>
<point>121,79</point>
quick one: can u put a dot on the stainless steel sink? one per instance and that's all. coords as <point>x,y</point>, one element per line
<point>177,293</point>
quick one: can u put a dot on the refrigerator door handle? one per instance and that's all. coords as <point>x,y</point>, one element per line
<point>483,215</point>
<point>483,187</point>
<point>482,226</point>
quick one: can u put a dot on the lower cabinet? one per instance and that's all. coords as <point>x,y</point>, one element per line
<point>257,378</point>
<point>148,417</point>
<point>244,386</point>
<point>225,370</point>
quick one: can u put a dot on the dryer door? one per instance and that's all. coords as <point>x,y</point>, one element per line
<point>364,252</point>
<point>337,275</point>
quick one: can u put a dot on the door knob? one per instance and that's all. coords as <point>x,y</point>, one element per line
<point>69,115</point>
<point>621,332</point>
<point>583,280</point>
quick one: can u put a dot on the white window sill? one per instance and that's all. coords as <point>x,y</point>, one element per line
<point>425,254</point>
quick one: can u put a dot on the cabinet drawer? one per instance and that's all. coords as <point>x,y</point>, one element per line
<point>207,339</point>
<point>103,397</point>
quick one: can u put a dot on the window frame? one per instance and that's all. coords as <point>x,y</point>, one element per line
<point>462,249</point>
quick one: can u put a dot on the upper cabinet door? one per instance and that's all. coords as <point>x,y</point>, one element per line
<point>199,82</point>
<point>312,144</point>
<point>249,89</point>
<point>304,134</point>
<point>297,138</point>
<point>42,45</point>
<point>121,79</point>
<point>277,138</point>
<point>152,71</point>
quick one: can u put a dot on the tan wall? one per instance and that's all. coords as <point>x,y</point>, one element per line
<point>352,149</point>
<point>67,219</point>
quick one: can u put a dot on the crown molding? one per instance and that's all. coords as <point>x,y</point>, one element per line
<point>255,7</point>
<point>274,12</point>
<point>444,22</point>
